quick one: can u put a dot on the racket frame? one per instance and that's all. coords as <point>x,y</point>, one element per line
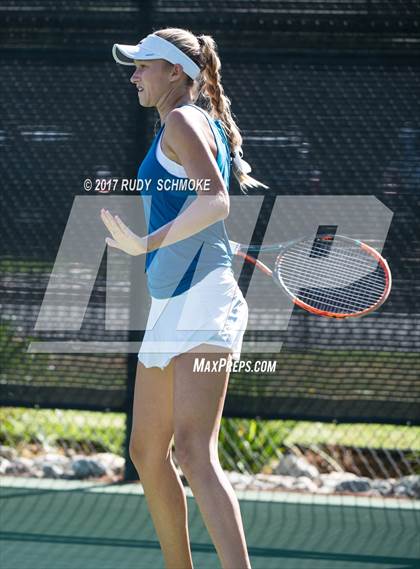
<point>242,250</point>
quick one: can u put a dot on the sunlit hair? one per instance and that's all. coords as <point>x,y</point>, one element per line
<point>208,89</point>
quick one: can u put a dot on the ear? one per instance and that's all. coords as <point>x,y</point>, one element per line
<point>177,71</point>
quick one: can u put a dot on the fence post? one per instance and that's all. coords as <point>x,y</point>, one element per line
<point>137,153</point>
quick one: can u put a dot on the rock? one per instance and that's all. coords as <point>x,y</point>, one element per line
<point>52,465</point>
<point>20,466</point>
<point>239,480</point>
<point>299,475</point>
<point>277,481</point>
<point>51,459</point>
<point>331,479</point>
<point>5,465</point>
<point>325,490</point>
<point>266,482</point>
<point>305,483</point>
<point>355,485</point>
<point>291,465</point>
<point>408,486</point>
<point>110,461</point>
<point>85,467</point>
<point>238,476</point>
<point>383,487</point>
<point>52,471</point>
<point>8,452</point>
<point>262,485</point>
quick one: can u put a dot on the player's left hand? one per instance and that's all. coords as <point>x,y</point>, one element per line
<point>123,237</point>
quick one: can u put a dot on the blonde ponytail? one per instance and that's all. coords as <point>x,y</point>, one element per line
<point>211,89</point>
<point>241,169</point>
<point>208,86</point>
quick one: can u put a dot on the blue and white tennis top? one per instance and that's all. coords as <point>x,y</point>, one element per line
<point>173,269</point>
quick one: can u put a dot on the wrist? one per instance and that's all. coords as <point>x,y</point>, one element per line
<point>141,245</point>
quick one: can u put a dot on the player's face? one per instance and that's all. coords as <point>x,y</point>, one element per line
<point>151,80</point>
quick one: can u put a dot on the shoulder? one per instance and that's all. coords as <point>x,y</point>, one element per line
<point>186,126</point>
<point>189,128</point>
<point>184,120</point>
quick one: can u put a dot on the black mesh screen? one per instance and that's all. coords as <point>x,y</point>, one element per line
<point>327,98</point>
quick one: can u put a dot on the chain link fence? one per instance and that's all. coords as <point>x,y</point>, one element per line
<point>272,455</point>
<point>326,98</point>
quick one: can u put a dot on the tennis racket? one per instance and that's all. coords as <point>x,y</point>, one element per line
<point>329,275</point>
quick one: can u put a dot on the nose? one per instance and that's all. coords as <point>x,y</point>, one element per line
<point>135,76</point>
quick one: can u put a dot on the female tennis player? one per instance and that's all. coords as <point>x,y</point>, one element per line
<point>197,307</point>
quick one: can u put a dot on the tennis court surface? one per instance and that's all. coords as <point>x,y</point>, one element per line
<point>60,524</point>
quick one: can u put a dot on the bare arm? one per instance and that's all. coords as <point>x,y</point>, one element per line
<point>192,149</point>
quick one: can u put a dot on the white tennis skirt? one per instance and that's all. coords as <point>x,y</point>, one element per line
<point>213,311</point>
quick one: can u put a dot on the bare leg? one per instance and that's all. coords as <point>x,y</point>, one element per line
<point>198,404</point>
<point>150,451</point>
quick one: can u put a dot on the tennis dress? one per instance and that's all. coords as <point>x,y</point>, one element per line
<point>195,296</point>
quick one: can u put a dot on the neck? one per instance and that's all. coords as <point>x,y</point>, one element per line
<point>166,107</point>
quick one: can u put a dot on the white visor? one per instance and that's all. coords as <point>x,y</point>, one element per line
<point>155,47</point>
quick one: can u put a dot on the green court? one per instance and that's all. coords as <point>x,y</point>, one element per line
<point>49,524</point>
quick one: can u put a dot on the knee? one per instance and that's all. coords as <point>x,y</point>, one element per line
<point>136,451</point>
<point>193,453</point>
<point>147,455</point>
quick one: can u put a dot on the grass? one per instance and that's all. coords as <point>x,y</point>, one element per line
<point>99,432</point>
<point>105,432</point>
<point>358,435</point>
